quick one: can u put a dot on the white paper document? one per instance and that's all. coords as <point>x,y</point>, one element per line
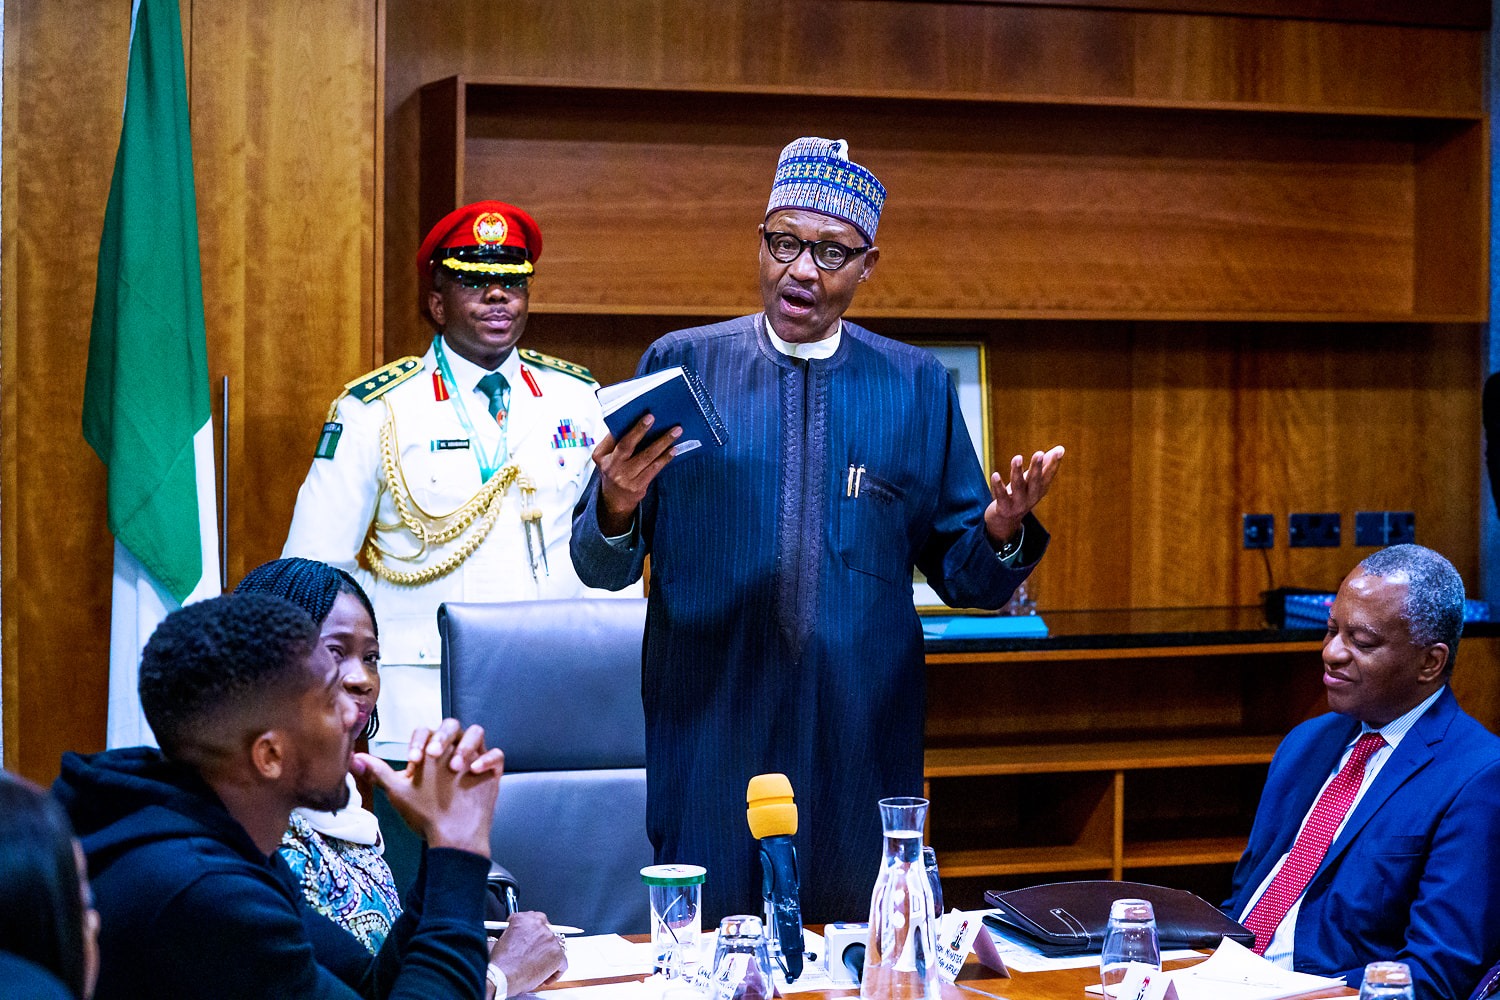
<point>1234,972</point>
<point>604,956</point>
<point>632,990</point>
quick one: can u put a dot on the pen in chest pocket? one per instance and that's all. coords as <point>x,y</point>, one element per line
<point>856,475</point>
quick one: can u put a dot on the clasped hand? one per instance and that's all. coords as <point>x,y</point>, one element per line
<point>447,792</point>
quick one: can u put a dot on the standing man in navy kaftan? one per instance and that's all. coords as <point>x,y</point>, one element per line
<point>781,634</point>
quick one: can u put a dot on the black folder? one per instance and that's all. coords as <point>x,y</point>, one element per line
<point>1069,918</point>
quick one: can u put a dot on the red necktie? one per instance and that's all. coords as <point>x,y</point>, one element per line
<point>1312,843</point>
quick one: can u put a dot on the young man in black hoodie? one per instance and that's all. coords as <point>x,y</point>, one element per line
<point>181,843</point>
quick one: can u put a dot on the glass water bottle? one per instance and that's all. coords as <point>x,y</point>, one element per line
<point>900,956</point>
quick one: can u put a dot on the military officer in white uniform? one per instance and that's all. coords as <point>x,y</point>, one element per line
<point>447,483</point>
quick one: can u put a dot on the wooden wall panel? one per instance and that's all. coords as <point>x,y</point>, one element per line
<point>1182,426</point>
<point>1452,208</point>
<point>64,91</point>
<point>284,139</point>
<point>1476,680</point>
<point>1307,63</point>
<point>994,210</point>
<point>284,112</point>
<point>1174,430</point>
<point>1448,13</point>
<point>10,135</point>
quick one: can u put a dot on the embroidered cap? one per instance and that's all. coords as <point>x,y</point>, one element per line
<point>487,237</point>
<point>817,174</point>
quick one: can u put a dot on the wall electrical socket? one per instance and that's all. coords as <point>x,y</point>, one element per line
<point>1313,531</point>
<point>1259,530</point>
<point>1375,528</point>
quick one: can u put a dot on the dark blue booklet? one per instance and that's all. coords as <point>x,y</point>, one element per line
<point>675,397</point>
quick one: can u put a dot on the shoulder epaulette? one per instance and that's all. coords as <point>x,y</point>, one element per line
<point>556,364</point>
<point>377,383</point>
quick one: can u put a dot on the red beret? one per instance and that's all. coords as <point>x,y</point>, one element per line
<point>487,236</point>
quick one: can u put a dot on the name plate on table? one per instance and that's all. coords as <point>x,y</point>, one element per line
<point>983,627</point>
<point>958,934</point>
<point>1142,982</point>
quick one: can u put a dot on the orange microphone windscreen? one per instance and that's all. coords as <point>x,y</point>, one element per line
<point>771,810</point>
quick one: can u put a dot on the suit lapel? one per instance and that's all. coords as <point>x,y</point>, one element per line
<point>1313,771</point>
<point>1411,756</point>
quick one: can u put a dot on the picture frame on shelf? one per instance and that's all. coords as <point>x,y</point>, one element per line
<point>968,367</point>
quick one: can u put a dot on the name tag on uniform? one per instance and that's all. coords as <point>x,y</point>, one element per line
<point>448,444</point>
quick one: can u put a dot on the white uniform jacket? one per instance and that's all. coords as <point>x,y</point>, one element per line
<point>553,423</point>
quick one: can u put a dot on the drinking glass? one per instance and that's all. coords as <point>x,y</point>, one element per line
<point>1023,601</point>
<point>1387,981</point>
<point>675,921</point>
<point>742,962</point>
<point>1129,937</point>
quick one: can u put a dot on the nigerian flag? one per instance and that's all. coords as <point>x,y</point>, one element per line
<point>146,401</point>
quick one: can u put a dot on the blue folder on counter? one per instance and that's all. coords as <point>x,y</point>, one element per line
<point>1310,610</point>
<point>983,627</point>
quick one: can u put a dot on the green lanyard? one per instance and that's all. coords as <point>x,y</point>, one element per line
<point>490,463</point>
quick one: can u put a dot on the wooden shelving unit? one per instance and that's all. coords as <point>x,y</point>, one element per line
<point>1107,847</point>
<point>1109,762</point>
<point>1061,207</point>
<point>1057,763</point>
<point>1120,756</point>
<point>1181,289</point>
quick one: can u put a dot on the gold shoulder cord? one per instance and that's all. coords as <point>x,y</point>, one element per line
<point>483,507</point>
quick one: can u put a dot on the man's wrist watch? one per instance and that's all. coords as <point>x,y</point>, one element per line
<point>496,976</point>
<point>1010,548</point>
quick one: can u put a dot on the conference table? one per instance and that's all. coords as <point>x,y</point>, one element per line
<point>1058,984</point>
<point>976,982</point>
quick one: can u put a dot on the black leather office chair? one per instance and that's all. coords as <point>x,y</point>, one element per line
<point>557,686</point>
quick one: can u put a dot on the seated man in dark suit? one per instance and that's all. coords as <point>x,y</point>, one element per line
<point>1376,833</point>
<point>254,720</point>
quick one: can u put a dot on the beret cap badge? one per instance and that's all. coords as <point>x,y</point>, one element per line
<point>490,228</point>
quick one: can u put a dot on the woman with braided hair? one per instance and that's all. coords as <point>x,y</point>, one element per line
<point>337,857</point>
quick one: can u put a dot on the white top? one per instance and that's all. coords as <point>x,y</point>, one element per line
<point>353,823</point>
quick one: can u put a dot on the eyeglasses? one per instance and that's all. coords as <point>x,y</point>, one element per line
<point>480,279</point>
<point>827,254</point>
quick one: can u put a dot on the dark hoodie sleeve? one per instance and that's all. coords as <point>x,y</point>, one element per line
<point>231,937</point>
<point>446,952</point>
<point>443,921</point>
